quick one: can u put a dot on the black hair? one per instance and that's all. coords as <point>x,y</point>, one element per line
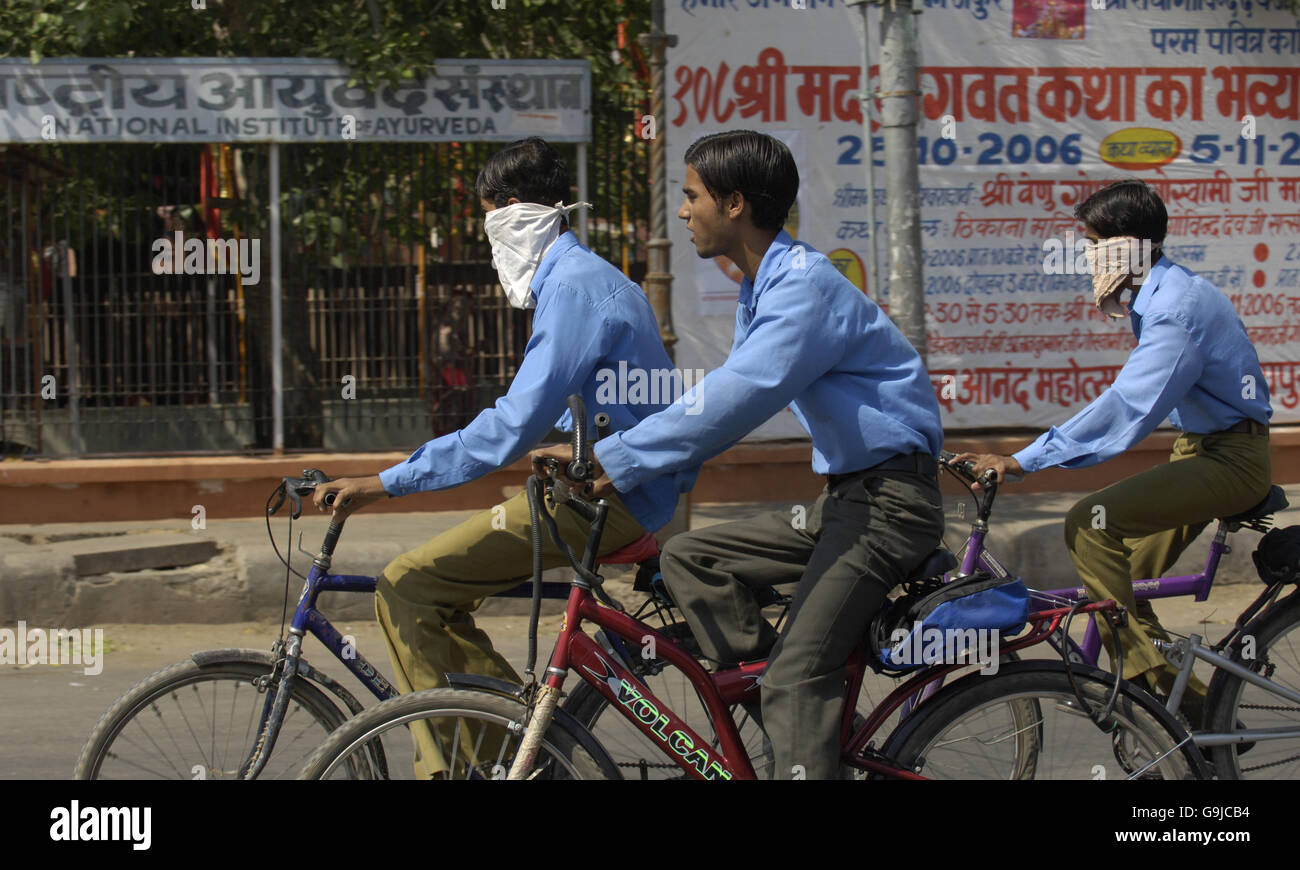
<point>1125,208</point>
<point>529,170</point>
<point>757,166</point>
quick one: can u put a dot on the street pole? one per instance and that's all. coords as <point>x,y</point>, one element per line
<point>866,97</point>
<point>277,317</point>
<point>898,117</point>
<point>659,277</point>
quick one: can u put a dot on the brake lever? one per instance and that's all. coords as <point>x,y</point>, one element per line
<point>279,492</point>
<point>296,501</point>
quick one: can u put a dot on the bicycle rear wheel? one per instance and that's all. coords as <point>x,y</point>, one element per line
<point>976,729</point>
<point>191,721</point>
<point>1274,652</point>
<point>479,733</point>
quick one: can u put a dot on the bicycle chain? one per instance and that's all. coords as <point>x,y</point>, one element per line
<point>1270,708</point>
<point>1270,764</point>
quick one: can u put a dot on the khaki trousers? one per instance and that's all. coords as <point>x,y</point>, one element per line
<point>1136,529</point>
<point>424,599</point>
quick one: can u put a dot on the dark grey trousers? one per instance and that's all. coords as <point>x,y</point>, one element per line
<point>858,541</point>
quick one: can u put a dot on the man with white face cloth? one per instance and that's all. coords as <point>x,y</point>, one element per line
<point>588,318</point>
<point>521,234</point>
<point>1193,364</point>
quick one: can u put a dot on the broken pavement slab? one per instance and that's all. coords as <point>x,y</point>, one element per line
<point>121,553</point>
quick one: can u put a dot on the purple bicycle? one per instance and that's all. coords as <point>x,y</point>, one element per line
<point>1252,712</point>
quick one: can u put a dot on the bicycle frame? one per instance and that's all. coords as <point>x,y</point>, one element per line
<point>1185,652</point>
<point>575,650</point>
<point>307,618</point>
<point>975,557</point>
<point>1221,738</point>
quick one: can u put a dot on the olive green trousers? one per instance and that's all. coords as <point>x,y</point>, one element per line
<point>425,597</point>
<point>1136,529</point>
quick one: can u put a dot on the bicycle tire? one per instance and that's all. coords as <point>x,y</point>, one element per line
<point>560,755</point>
<point>110,740</point>
<point>941,739</point>
<point>1231,699</point>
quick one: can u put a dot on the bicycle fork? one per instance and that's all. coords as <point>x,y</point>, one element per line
<point>543,707</point>
<point>273,710</point>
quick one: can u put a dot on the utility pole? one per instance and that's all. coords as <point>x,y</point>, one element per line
<point>659,276</point>
<point>898,93</point>
<point>898,115</point>
<point>867,99</point>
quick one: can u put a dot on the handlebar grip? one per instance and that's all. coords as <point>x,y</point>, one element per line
<point>580,467</point>
<point>602,425</point>
<point>330,497</point>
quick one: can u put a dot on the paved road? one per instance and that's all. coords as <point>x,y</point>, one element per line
<point>48,711</point>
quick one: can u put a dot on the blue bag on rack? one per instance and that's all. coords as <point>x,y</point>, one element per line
<point>937,622</point>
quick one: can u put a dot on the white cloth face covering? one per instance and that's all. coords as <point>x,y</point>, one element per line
<point>1111,263</point>
<point>521,234</point>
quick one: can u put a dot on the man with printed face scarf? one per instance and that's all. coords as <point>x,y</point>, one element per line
<point>1194,364</point>
<point>588,318</point>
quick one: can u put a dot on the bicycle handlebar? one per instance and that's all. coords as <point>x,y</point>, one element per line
<point>294,488</point>
<point>966,469</point>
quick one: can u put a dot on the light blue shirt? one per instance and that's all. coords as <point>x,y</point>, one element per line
<point>807,338</point>
<point>1194,364</point>
<point>589,319</point>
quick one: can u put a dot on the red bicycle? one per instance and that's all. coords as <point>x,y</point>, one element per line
<point>1033,719</point>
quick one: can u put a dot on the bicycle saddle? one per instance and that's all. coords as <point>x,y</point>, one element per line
<point>939,562</point>
<point>638,551</point>
<point>1272,503</point>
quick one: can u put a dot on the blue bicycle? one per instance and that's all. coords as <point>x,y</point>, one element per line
<point>257,714</point>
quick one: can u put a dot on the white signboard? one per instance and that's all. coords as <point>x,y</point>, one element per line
<point>1027,106</point>
<point>288,100</point>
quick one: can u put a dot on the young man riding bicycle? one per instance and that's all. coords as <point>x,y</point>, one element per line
<point>1194,364</point>
<point>807,338</point>
<point>589,318</point>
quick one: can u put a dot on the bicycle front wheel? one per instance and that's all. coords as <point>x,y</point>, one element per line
<point>1270,646</point>
<point>192,721</point>
<point>1027,723</point>
<point>476,732</point>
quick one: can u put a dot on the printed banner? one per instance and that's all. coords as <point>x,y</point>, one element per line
<point>289,100</point>
<point>1027,106</point>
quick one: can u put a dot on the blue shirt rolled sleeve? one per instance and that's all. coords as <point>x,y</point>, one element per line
<point>558,359</point>
<point>792,341</point>
<point>1160,371</point>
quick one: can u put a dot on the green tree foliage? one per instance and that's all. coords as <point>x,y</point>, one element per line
<point>381,40</point>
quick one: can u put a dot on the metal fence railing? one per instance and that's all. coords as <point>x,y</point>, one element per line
<point>394,329</point>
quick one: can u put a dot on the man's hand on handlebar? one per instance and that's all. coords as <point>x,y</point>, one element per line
<point>1005,467</point>
<point>600,484</point>
<point>350,494</point>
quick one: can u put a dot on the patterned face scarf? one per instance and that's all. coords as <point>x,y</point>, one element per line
<point>1110,262</point>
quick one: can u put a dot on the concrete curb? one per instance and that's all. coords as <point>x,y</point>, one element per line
<point>40,581</point>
